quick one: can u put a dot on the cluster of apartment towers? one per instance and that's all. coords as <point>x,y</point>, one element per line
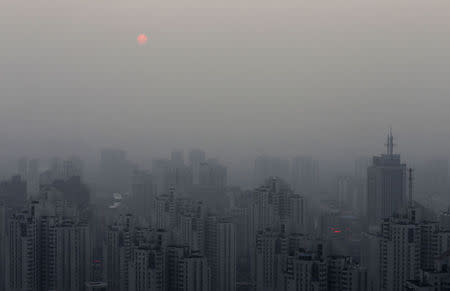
<point>264,239</point>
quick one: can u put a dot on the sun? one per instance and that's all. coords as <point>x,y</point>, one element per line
<point>142,39</point>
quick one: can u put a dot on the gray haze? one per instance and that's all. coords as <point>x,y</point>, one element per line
<point>233,77</point>
<point>248,145</point>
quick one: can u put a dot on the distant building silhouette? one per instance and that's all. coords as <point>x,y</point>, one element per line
<point>386,185</point>
<point>196,157</point>
<point>115,170</point>
<point>305,175</point>
<point>267,167</point>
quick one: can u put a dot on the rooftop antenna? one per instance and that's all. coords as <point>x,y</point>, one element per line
<point>411,180</point>
<point>390,143</point>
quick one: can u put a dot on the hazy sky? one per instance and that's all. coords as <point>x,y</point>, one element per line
<point>233,77</point>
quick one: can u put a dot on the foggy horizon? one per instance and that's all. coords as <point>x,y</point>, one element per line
<point>234,79</point>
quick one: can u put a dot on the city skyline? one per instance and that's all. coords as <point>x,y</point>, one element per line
<point>180,224</point>
<point>211,145</point>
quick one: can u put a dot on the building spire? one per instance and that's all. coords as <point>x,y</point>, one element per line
<point>390,143</point>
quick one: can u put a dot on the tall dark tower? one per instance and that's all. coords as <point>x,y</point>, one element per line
<point>386,184</point>
<point>411,208</point>
<point>410,187</point>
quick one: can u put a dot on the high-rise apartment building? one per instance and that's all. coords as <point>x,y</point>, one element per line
<point>306,271</point>
<point>305,175</point>
<point>226,256</point>
<point>386,185</point>
<point>147,269</point>
<point>29,172</point>
<point>143,194</point>
<point>115,170</point>
<point>220,250</point>
<point>196,157</point>
<point>22,253</point>
<point>194,274</point>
